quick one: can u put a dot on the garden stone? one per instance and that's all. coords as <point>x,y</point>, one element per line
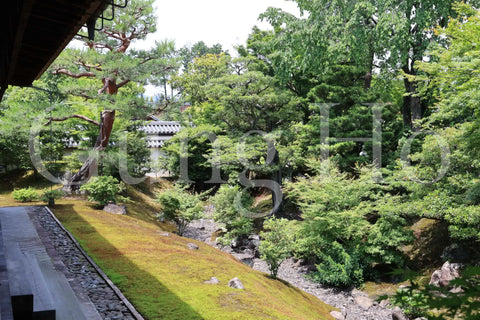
<point>235,283</point>
<point>235,243</point>
<point>398,314</point>
<point>337,315</point>
<point>254,237</point>
<point>364,302</point>
<point>385,303</point>
<point>227,249</point>
<point>448,272</point>
<point>456,290</point>
<point>213,280</point>
<point>115,209</point>
<point>192,246</point>
<point>245,258</point>
<point>256,243</point>
<point>246,243</point>
<point>356,293</point>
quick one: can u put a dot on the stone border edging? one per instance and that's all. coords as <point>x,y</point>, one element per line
<point>115,289</point>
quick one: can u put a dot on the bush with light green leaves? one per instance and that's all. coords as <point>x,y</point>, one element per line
<point>277,243</point>
<point>231,210</point>
<point>103,189</point>
<point>25,195</point>
<point>180,206</point>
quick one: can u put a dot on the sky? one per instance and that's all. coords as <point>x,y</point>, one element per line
<point>227,22</point>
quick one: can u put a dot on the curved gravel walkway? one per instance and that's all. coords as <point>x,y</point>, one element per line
<point>353,304</point>
<point>82,275</point>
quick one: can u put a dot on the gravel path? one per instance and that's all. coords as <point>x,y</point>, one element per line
<point>82,276</point>
<point>353,304</point>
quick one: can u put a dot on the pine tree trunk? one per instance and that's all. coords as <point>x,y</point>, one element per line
<point>276,177</point>
<point>91,164</point>
<point>368,81</point>
<point>412,106</point>
<point>368,75</point>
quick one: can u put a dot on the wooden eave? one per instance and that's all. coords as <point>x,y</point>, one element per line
<point>34,32</point>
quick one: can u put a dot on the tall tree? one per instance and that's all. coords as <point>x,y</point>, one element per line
<point>381,35</point>
<point>107,65</point>
<point>233,95</point>
<point>197,50</point>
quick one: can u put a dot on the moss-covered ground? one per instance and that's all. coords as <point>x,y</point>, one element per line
<point>161,276</point>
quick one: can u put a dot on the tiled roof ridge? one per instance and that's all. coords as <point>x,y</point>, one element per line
<point>161,127</point>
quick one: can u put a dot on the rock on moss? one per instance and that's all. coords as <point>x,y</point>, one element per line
<point>115,209</point>
<point>235,283</point>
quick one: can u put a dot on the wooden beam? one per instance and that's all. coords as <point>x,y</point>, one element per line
<point>61,22</point>
<point>18,38</point>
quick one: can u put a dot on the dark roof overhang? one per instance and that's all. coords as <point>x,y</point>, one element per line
<point>34,32</point>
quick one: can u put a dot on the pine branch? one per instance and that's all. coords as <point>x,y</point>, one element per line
<point>82,63</point>
<point>105,86</point>
<point>121,84</point>
<point>146,60</point>
<point>114,35</point>
<point>73,75</point>
<point>78,116</point>
<point>103,46</point>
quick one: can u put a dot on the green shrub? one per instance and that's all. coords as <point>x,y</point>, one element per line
<point>49,195</point>
<point>412,301</point>
<point>103,189</point>
<point>386,238</point>
<point>230,204</point>
<point>25,195</point>
<point>338,267</point>
<point>277,243</point>
<point>350,224</point>
<point>180,207</point>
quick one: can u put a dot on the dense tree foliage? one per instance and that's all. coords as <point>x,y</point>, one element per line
<point>360,38</point>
